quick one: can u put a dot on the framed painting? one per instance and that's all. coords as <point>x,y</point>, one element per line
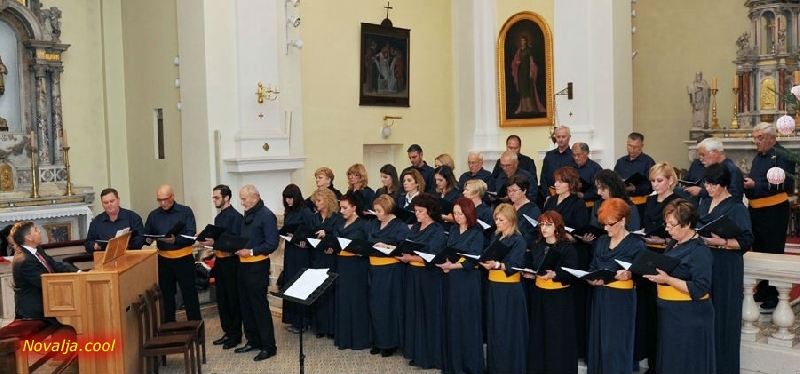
<point>384,65</point>
<point>58,232</point>
<point>525,71</point>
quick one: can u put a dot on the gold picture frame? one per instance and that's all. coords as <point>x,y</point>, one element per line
<point>525,102</point>
<point>58,232</point>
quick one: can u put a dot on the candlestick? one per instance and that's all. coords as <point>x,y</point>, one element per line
<point>33,140</point>
<point>714,119</point>
<point>64,132</point>
<point>714,83</point>
<point>34,174</point>
<point>66,167</point>
<point>796,76</point>
<point>735,121</point>
<point>735,81</point>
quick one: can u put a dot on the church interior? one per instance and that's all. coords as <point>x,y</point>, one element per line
<point>194,93</point>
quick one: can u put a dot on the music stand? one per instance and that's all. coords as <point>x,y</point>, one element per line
<point>308,301</point>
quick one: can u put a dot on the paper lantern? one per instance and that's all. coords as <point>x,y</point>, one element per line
<point>796,92</point>
<point>776,175</point>
<point>785,125</point>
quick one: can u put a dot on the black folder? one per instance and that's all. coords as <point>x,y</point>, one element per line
<point>360,247</point>
<point>686,183</point>
<point>607,276</point>
<point>585,186</point>
<point>549,262</point>
<point>448,254</point>
<point>230,243</point>
<point>330,241</point>
<point>407,246</point>
<point>635,179</point>
<point>174,231</point>
<point>210,231</point>
<point>447,206</point>
<point>646,263</point>
<point>723,226</point>
<point>300,233</point>
<point>495,252</point>
<point>589,229</point>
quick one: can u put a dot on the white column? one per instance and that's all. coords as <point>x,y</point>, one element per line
<point>475,74</point>
<point>596,31</point>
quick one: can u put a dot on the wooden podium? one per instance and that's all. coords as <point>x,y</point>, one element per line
<point>97,304</point>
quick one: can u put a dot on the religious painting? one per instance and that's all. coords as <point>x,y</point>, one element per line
<point>384,65</point>
<point>58,232</point>
<point>525,71</point>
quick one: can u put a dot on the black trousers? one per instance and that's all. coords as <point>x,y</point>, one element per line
<point>180,270</point>
<point>226,282</point>
<point>253,283</point>
<point>769,227</point>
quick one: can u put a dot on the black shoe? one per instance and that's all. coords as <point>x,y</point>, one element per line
<point>374,351</point>
<point>388,352</point>
<point>224,339</point>
<point>231,343</point>
<point>246,348</point>
<point>769,304</point>
<point>265,354</point>
<point>319,336</point>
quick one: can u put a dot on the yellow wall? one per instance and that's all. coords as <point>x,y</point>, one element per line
<point>150,45</point>
<point>675,39</point>
<point>533,138</point>
<point>335,125</point>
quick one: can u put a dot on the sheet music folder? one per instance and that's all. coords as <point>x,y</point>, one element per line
<point>646,263</point>
<point>307,281</point>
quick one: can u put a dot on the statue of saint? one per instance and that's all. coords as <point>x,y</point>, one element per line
<point>700,98</point>
<point>768,95</point>
<point>3,72</point>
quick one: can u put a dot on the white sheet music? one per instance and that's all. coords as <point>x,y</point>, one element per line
<point>425,256</point>
<point>344,242</point>
<point>383,250</point>
<point>287,238</point>
<point>639,232</point>
<point>314,242</point>
<point>577,273</point>
<point>189,237</point>
<point>474,257</point>
<point>121,232</point>
<point>308,282</point>
<point>531,220</point>
<point>568,229</point>
<point>484,224</point>
<point>625,265</point>
<point>525,270</point>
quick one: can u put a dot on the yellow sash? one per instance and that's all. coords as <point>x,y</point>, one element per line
<point>255,258</point>
<point>378,261</point>
<point>773,200</point>
<point>417,264</point>
<point>222,254</point>
<point>346,253</point>
<point>549,284</point>
<point>621,285</point>
<point>639,200</point>
<point>176,253</point>
<point>670,293</point>
<point>500,277</point>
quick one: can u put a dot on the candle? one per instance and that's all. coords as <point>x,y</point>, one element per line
<point>33,140</point>
<point>714,83</point>
<point>796,77</point>
<point>735,81</point>
<point>64,131</point>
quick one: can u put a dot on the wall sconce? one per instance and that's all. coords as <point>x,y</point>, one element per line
<point>386,130</point>
<point>294,3</point>
<point>266,93</point>
<point>294,21</point>
<point>297,43</point>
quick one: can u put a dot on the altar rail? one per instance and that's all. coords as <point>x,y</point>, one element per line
<point>770,345</point>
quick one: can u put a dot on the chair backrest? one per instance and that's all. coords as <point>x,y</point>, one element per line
<point>153,302</point>
<point>158,303</point>
<point>138,310</point>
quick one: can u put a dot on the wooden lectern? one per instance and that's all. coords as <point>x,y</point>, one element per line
<point>97,304</point>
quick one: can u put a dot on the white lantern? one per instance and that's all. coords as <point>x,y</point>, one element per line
<point>785,125</point>
<point>776,175</point>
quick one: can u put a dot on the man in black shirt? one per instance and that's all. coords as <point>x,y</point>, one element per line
<point>514,144</point>
<point>113,219</point>
<point>175,255</point>
<point>427,172</point>
<point>226,268</point>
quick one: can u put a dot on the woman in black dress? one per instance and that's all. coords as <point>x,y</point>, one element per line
<point>295,256</point>
<point>358,184</point>
<point>390,185</point>
<point>413,185</point>
<point>326,220</point>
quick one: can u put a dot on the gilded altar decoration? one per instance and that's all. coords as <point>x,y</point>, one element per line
<point>6,177</point>
<point>767,100</point>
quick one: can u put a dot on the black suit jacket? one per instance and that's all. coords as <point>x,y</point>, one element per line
<point>27,271</point>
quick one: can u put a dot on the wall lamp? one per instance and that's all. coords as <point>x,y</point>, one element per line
<point>294,21</point>
<point>294,3</point>
<point>268,93</point>
<point>386,130</point>
<point>297,43</point>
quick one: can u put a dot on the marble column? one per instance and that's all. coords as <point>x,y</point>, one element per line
<point>58,122</point>
<point>43,130</point>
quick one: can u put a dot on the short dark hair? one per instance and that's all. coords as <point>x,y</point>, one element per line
<point>636,136</point>
<point>683,211</point>
<point>717,174</point>
<point>223,189</point>
<point>293,191</point>
<point>108,191</point>
<point>429,202</point>
<point>610,180</point>
<point>521,182</point>
<point>414,148</point>
<point>514,137</point>
<point>353,199</point>
<point>20,231</point>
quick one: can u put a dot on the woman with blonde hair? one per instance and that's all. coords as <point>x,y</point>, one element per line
<point>323,178</point>
<point>506,312</point>
<point>444,159</point>
<point>358,184</point>
<point>326,220</point>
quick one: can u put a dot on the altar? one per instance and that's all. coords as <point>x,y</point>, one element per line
<point>739,146</point>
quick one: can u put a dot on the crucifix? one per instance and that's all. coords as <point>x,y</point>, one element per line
<point>387,7</point>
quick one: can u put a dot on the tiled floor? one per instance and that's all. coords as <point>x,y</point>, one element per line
<point>321,356</point>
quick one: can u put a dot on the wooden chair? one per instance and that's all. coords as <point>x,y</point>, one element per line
<point>14,359</point>
<point>151,347</point>
<point>197,328</point>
